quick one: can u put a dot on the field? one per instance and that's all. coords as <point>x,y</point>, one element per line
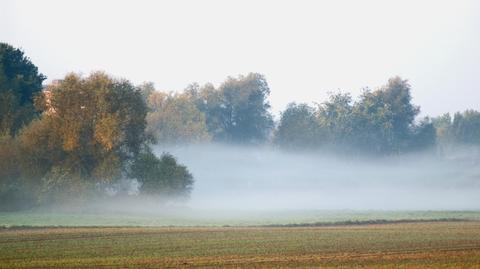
<point>326,239</point>
<point>453,244</point>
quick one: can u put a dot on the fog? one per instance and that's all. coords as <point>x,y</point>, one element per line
<point>261,178</point>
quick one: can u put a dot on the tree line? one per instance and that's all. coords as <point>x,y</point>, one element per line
<point>379,122</point>
<point>82,135</point>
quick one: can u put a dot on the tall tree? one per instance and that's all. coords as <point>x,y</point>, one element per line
<point>20,81</point>
<point>238,112</point>
<point>442,125</point>
<point>397,95</point>
<point>384,118</point>
<point>466,127</point>
<point>298,128</point>
<point>91,134</point>
<point>372,124</point>
<point>92,128</point>
<point>174,119</point>
<point>335,116</point>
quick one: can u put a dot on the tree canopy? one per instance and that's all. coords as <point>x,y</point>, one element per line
<point>20,81</point>
<point>464,128</point>
<point>90,131</point>
<point>238,111</point>
<point>379,122</point>
<point>299,127</point>
<point>175,119</point>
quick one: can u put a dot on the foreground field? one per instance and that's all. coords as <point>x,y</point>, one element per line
<point>405,245</point>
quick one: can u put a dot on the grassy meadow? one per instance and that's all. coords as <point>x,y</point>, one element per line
<point>185,217</point>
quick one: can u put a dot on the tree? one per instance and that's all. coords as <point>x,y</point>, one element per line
<point>90,132</point>
<point>372,124</point>
<point>91,135</point>
<point>175,119</point>
<point>20,81</point>
<point>465,127</point>
<point>298,128</point>
<point>146,89</point>
<point>99,123</point>
<point>396,94</point>
<point>210,101</point>
<point>238,112</point>
<point>335,117</point>
<point>442,126</point>
<point>384,119</point>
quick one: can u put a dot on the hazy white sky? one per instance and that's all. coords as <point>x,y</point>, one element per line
<point>304,48</point>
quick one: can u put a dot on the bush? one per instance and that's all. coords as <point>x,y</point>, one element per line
<point>161,176</point>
